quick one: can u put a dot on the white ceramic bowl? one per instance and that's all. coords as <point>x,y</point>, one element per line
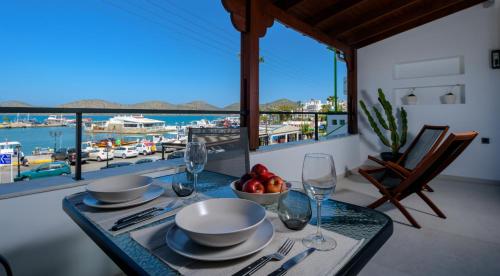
<point>263,199</point>
<point>119,189</point>
<point>220,222</point>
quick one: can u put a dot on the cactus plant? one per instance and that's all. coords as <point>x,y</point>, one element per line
<point>396,140</point>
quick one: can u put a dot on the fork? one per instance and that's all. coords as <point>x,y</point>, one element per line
<point>277,256</point>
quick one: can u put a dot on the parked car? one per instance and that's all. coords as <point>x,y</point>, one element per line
<point>159,147</point>
<point>68,155</point>
<point>144,148</point>
<point>45,170</point>
<point>100,154</point>
<point>125,152</point>
<point>116,165</point>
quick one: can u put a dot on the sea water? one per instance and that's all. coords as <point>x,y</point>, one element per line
<point>30,138</point>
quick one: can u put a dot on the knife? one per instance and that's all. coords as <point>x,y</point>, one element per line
<point>144,217</point>
<point>292,262</point>
<point>145,213</point>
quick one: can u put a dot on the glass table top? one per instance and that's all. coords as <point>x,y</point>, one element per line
<point>347,219</point>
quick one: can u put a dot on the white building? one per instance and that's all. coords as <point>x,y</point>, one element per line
<point>312,105</point>
<point>336,124</point>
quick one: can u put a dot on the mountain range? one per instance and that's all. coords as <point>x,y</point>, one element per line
<point>194,105</point>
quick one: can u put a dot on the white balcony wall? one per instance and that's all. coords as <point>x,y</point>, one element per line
<point>287,161</point>
<point>38,238</point>
<point>470,34</point>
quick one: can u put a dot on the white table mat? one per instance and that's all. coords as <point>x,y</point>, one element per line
<point>318,263</point>
<point>106,218</point>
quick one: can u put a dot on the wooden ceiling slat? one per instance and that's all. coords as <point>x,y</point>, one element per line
<point>301,26</point>
<point>371,15</point>
<point>331,11</point>
<point>421,18</point>
<point>392,20</point>
<point>286,4</point>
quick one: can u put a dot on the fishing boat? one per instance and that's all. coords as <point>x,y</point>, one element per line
<point>54,120</point>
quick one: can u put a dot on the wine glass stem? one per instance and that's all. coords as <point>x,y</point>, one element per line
<point>318,229</point>
<point>195,182</point>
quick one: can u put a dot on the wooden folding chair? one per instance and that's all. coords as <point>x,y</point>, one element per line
<point>426,141</point>
<point>401,182</point>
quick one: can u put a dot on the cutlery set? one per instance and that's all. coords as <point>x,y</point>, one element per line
<point>279,255</point>
<point>142,216</point>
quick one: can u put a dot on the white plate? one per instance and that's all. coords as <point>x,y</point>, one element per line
<point>179,242</point>
<point>153,192</point>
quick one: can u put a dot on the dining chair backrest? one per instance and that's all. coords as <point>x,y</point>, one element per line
<point>227,148</point>
<point>426,141</point>
<point>435,162</point>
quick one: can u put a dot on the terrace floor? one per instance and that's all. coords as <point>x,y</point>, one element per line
<point>466,243</point>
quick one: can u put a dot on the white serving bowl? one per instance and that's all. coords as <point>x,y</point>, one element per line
<point>220,222</point>
<point>119,189</point>
<point>263,199</point>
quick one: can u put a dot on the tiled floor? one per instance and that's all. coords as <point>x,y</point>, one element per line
<point>466,243</point>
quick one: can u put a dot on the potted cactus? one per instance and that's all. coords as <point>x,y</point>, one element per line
<point>388,124</point>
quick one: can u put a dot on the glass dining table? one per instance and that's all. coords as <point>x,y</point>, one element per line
<point>350,220</point>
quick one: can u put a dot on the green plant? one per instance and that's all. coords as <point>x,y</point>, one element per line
<point>397,140</point>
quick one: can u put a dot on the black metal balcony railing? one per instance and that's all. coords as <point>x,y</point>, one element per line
<point>78,112</point>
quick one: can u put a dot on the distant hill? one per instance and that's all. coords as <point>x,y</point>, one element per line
<point>281,104</point>
<point>153,105</point>
<point>14,104</point>
<point>232,107</point>
<point>197,105</point>
<point>94,103</point>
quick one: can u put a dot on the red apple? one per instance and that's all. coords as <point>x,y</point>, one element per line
<point>264,178</point>
<point>253,186</point>
<point>275,185</point>
<point>247,177</point>
<point>238,185</point>
<point>259,169</point>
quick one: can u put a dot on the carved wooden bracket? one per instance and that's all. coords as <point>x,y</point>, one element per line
<point>239,10</point>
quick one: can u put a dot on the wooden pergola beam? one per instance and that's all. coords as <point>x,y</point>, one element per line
<point>287,4</point>
<point>352,92</point>
<point>426,11</point>
<point>304,28</point>
<point>332,11</point>
<point>369,17</point>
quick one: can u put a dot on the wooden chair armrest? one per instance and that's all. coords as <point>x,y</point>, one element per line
<point>370,170</point>
<point>375,159</point>
<point>398,169</point>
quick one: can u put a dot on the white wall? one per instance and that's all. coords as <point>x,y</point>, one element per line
<point>471,33</point>
<point>38,238</point>
<point>287,162</point>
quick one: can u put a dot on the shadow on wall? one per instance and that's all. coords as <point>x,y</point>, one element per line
<point>366,135</point>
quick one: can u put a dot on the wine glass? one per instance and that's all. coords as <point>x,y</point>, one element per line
<point>195,158</point>
<point>319,180</point>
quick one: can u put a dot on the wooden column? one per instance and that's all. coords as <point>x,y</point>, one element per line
<point>249,18</point>
<point>250,72</point>
<point>352,92</point>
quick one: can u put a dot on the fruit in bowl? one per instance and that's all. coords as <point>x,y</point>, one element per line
<point>260,185</point>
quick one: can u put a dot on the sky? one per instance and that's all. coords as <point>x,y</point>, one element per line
<point>130,51</point>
